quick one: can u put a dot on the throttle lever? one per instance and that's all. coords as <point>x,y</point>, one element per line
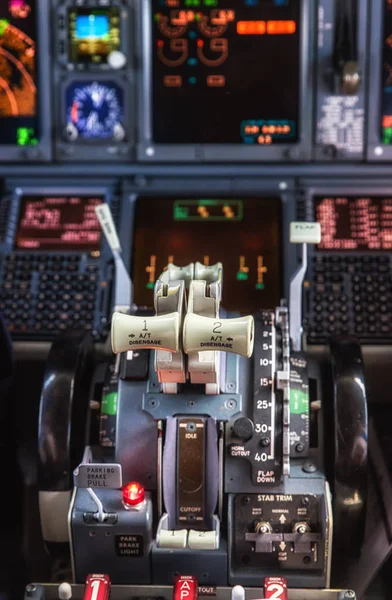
<point>345,57</point>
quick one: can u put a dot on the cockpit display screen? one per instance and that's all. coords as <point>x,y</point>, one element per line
<point>59,223</point>
<point>18,73</point>
<point>386,95</point>
<point>355,222</point>
<point>93,34</point>
<point>243,234</point>
<point>226,71</point>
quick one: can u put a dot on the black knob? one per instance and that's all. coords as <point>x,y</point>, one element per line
<point>243,428</point>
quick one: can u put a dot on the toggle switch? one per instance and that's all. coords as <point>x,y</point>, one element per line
<point>221,335</point>
<point>137,333</point>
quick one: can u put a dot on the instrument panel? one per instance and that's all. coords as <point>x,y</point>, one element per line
<point>202,122</point>
<point>180,81</point>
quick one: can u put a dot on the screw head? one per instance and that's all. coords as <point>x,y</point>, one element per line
<point>300,447</point>
<point>30,589</point>
<point>349,594</point>
<point>246,500</point>
<point>230,404</point>
<point>309,467</point>
<point>265,442</point>
<point>305,501</point>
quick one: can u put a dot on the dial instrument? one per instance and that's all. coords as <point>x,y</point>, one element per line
<point>94,111</point>
<point>18,73</point>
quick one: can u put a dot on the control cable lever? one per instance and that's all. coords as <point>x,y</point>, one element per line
<point>300,233</point>
<point>345,56</point>
<point>123,285</point>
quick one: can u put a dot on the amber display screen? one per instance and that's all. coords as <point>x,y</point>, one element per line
<point>226,71</point>
<point>18,73</point>
<point>59,223</point>
<point>243,234</point>
<point>355,222</point>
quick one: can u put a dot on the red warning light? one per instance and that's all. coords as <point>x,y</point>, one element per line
<point>97,587</point>
<point>133,494</point>
<point>275,587</point>
<point>185,588</point>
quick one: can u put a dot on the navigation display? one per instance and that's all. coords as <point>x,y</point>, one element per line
<point>355,222</point>
<point>59,223</point>
<point>18,72</point>
<point>93,34</point>
<point>226,71</point>
<point>243,234</point>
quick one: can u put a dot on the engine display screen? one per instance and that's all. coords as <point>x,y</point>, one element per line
<point>18,72</point>
<point>355,222</point>
<point>386,96</point>
<point>93,34</point>
<point>243,234</point>
<point>226,71</point>
<point>94,111</point>
<point>59,223</point>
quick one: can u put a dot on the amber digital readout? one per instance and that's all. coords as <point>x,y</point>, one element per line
<point>243,234</point>
<point>202,94</point>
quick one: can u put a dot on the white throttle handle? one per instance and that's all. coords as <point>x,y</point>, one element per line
<point>143,333</point>
<point>221,335</point>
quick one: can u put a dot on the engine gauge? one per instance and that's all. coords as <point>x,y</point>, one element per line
<point>94,111</point>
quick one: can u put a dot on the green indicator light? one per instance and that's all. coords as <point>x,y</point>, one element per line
<point>181,213</point>
<point>25,136</point>
<point>189,3</point>
<point>259,286</point>
<point>299,402</point>
<point>150,285</point>
<point>387,135</point>
<point>211,2</point>
<point>3,26</point>
<point>109,404</point>
<point>242,276</point>
<point>208,203</point>
<point>207,210</point>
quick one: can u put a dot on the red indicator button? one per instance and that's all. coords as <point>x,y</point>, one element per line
<point>133,494</point>
<point>275,588</point>
<point>185,588</point>
<point>97,587</point>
